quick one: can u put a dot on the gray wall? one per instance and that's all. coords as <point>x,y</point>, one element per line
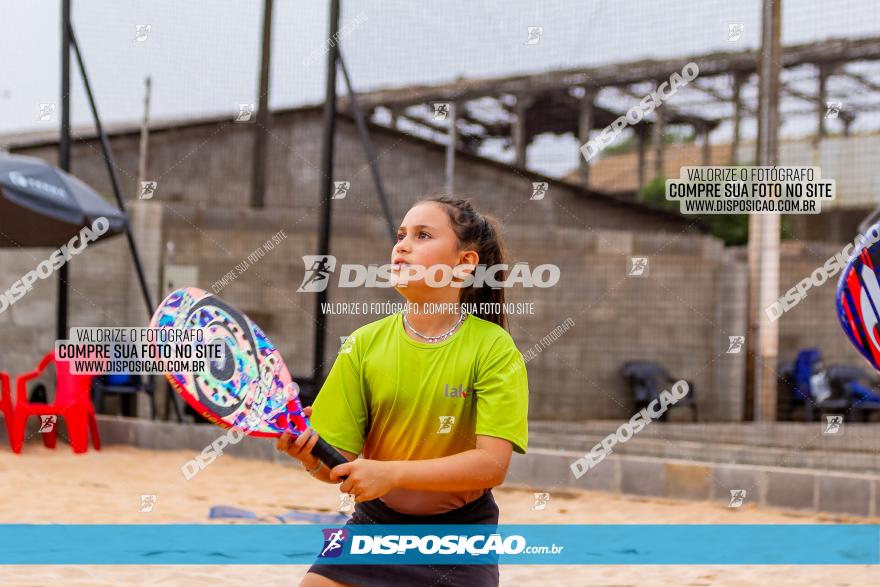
<point>681,313</point>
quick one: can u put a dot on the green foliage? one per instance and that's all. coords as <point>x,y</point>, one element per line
<point>627,146</point>
<point>654,192</point>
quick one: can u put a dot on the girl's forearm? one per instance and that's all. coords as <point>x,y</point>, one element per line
<point>465,471</point>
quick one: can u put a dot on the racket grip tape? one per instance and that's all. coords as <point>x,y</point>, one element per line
<point>327,454</point>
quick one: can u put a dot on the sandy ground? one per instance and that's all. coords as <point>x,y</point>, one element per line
<point>43,486</point>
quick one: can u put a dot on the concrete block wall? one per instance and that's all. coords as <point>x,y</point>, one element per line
<point>98,296</point>
<point>545,469</point>
<point>578,375</point>
<point>814,490</point>
<point>680,314</point>
<point>188,437</point>
<point>209,163</point>
<point>813,322</point>
<point>783,444</point>
<point>790,436</point>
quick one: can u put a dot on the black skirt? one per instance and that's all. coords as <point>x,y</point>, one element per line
<point>482,510</point>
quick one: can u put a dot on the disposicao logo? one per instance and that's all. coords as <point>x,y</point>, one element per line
<point>319,268</point>
<point>334,538</point>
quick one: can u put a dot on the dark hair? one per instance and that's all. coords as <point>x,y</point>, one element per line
<point>482,234</point>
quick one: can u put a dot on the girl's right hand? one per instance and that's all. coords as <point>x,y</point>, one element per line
<point>300,448</point>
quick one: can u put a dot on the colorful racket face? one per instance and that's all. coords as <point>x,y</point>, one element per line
<point>858,300</point>
<point>250,388</point>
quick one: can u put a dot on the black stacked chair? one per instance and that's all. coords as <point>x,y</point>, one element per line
<point>126,385</point>
<point>646,379</point>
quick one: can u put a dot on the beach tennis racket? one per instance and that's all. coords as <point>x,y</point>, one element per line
<point>248,387</point>
<point>858,301</point>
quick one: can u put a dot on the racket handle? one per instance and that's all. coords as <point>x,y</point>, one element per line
<point>327,454</point>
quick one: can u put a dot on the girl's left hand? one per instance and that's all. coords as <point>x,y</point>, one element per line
<point>367,479</point>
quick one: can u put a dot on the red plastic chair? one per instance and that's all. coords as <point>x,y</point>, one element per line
<point>72,401</point>
<point>6,403</point>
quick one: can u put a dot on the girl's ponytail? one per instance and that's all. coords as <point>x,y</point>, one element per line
<point>482,234</point>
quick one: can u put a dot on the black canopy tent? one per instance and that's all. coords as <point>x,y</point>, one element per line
<point>42,206</point>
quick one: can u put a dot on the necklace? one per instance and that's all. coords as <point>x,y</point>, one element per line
<point>439,337</point>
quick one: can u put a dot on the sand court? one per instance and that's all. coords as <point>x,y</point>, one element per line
<point>55,486</point>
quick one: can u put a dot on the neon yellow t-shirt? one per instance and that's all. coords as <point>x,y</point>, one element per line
<point>390,397</point>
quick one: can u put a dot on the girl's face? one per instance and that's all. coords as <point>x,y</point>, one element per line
<point>426,238</point>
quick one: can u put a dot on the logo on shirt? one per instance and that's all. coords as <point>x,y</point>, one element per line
<point>459,391</point>
<point>446,423</point>
<point>333,540</point>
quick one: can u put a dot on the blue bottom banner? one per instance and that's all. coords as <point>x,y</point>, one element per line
<point>264,544</point>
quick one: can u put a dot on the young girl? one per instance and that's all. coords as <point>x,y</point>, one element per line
<point>432,399</point>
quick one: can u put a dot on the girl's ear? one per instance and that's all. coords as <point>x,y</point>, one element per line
<point>468,258</point>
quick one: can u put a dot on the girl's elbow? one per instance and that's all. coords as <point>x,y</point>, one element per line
<point>497,479</point>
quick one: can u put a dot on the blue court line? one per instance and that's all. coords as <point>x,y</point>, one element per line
<point>679,544</point>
